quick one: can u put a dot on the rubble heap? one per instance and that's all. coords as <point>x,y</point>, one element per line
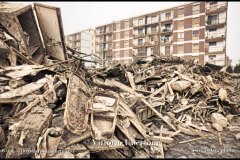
<point>51,107</point>
<point>119,111</point>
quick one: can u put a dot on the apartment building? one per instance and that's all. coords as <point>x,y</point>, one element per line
<point>104,44</point>
<point>193,31</point>
<point>215,35</point>
<point>84,42</point>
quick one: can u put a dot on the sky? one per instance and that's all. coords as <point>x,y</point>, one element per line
<point>77,16</point>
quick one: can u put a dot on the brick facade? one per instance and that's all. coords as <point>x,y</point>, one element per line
<point>167,35</point>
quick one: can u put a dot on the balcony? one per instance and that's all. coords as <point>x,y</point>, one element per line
<point>215,36</point>
<point>152,32</point>
<point>215,23</point>
<point>109,57</point>
<point>219,61</point>
<point>142,54</point>
<point>139,23</point>
<point>166,41</point>
<point>213,9</point>
<point>153,43</point>
<point>104,32</point>
<point>152,22</point>
<point>108,40</point>
<point>166,19</point>
<point>215,49</point>
<point>139,35</point>
<point>98,42</point>
<point>165,31</point>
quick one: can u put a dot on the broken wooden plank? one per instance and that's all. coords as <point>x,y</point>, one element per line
<point>133,119</point>
<point>183,108</point>
<point>37,100</point>
<point>158,114</point>
<point>182,76</point>
<point>131,80</point>
<point>25,135</point>
<point>161,139</point>
<point>191,140</point>
<point>24,90</point>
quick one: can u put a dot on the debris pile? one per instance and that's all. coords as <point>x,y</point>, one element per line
<point>54,108</point>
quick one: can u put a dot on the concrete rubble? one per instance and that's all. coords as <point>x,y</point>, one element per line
<point>52,107</point>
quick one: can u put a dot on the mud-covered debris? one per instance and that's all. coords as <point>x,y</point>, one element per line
<point>51,106</point>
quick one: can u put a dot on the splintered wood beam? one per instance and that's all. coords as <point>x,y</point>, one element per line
<point>158,114</point>
<point>130,90</point>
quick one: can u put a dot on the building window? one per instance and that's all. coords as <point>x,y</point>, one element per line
<point>213,5</point>
<point>152,39</point>
<point>213,19</point>
<point>167,27</point>
<point>196,9</point>
<point>101,30</point>
<point>140,22</point>
<point>154,19</point>
<point>109,46</point>
<point>213,30</point>
<point>117,35</point>
<point>212,57</point>
<point>126,24</point>
<point>140,42</point>
<point>126,34</point>
<point>117,45</point>
<point>107,29</point>
<point>153,29</point>
<point>126,53</point>
<point>181,24</point>
<point>141,50</point>
<point>180,12</point>
<point>195,34</point>
<point>140,32</point>
<point>180,36</point>
<point>180,48</point>
<point>117,54</point>
<point>78,37</point>
<point>101,47</point>
<point>126,44</point>
<point>101,39</point>
<point>118,26</point>
<point>168,15</point>
<point>126,61</point>
<point>167,50</point>
<point>195,47</point>
<point>97,48</point>
<point>212,43</point>
<point>195,22</point>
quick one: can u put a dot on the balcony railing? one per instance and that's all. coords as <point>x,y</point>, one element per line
<point>168,18</point>
<point>109,30</point>
<point>142,54</point>
<point>166,40</point>
<point>151,43</point>
<point>152,32</point>
<point>216,21</point>
<point>212,35</point>
<point>215,48</point>
<point>166,29</point>
<point>215,7</point>
<point>138,24</point>
<point>152,21</point>
<point>139,34</point>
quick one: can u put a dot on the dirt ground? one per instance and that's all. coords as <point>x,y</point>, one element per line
<point>205,148</point>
